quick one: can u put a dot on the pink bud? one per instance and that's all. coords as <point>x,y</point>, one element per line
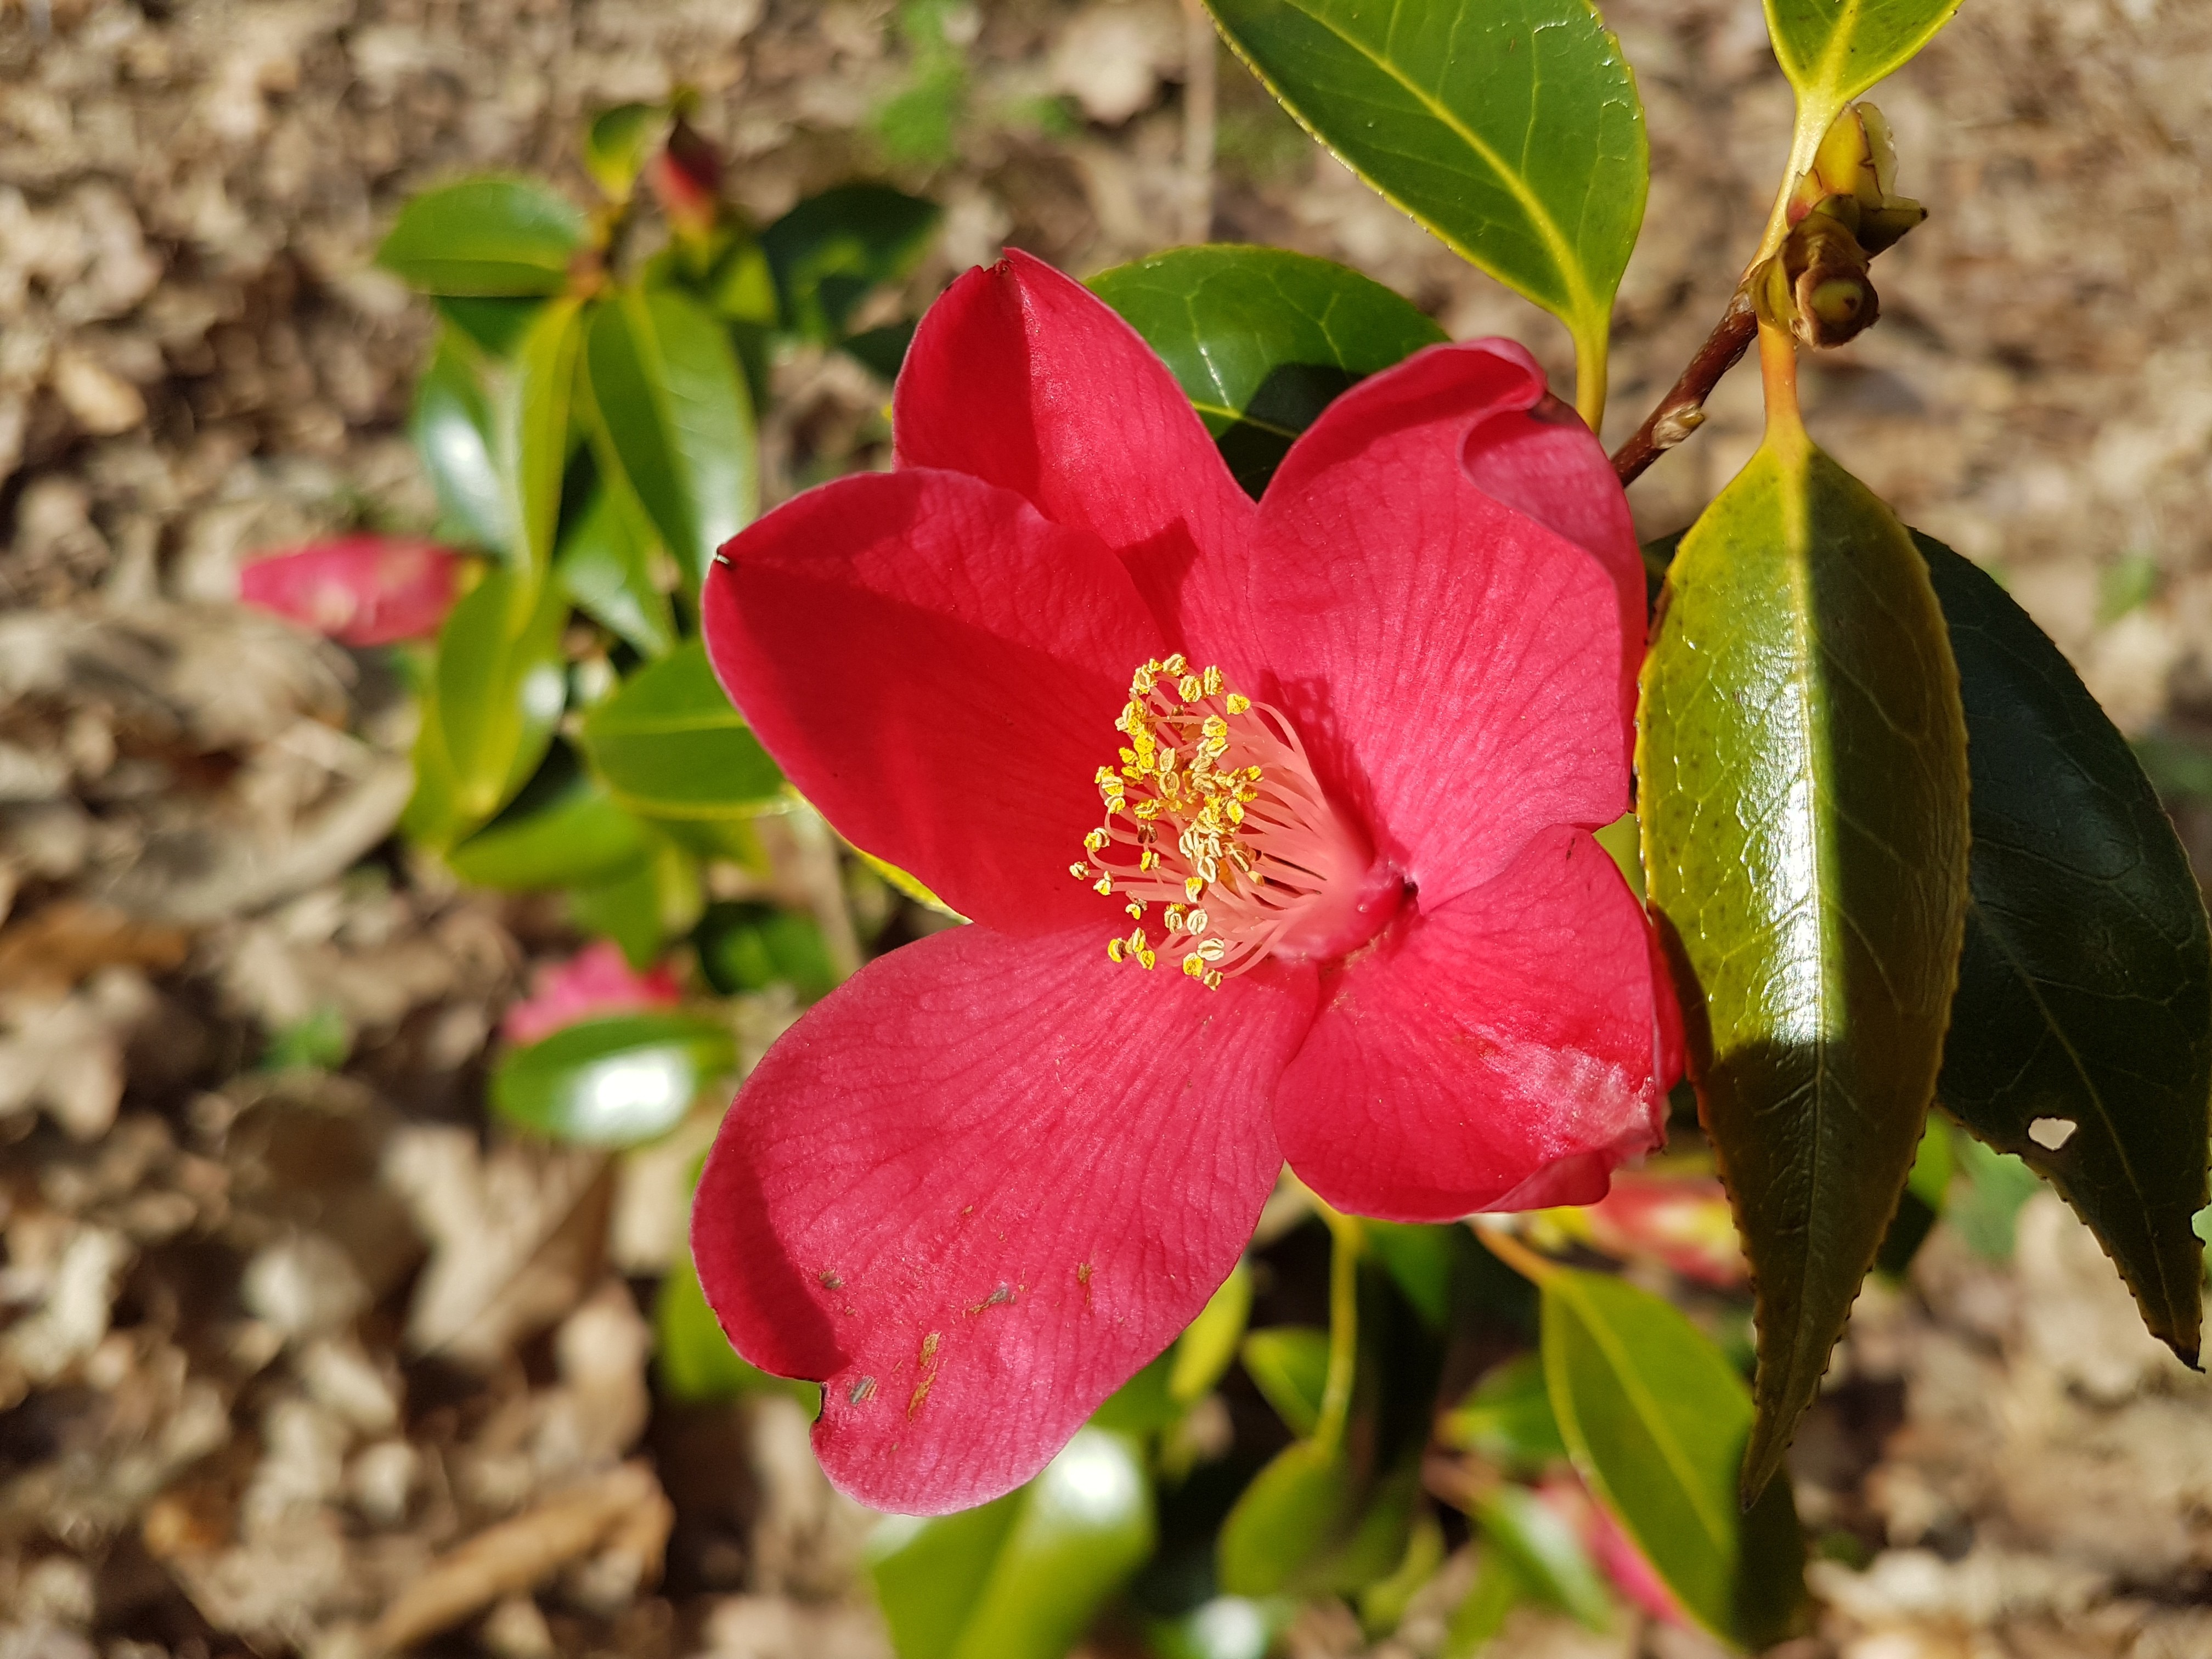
<point>358,590</point>
<point>597,980</point>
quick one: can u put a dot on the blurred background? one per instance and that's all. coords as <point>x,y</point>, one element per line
<point>286,1324</point>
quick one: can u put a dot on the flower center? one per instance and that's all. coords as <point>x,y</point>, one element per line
<point>1215,813</point>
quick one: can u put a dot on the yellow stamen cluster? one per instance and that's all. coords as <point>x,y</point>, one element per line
<point>1171,777</point>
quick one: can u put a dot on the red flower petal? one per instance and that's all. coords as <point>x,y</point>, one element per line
<point>978,1187</point>
<point>1497,1054</point>
<point>359,590</point>
<point>597,980</point>
<point>1022,376</point>
<point>1452,665</point>
<point>939,670</point>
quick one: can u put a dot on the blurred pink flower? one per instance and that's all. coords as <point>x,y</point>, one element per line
<point>597,980</point>
<point>1615,1552</point>
<point>1682,1222</point>
<point>358,590</point>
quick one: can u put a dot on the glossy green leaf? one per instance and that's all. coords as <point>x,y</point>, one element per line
<point>1208,1345</point>
<point>675,419</point>
<point>494,324</point>
<point>452,430</point>
<point>605,566</point>
<point>832,250</point>
<point>562,830</point>
<point>1289,1365</point>
<point>1510,128</point>
<point>1260,339</point>
<point>1548,1559</point>
<point>2084,1008</point>
<point>670,746</point>
<point>1656,1420</point>
<point>1022,1578</point>
<point>501,686</point>
<point>617,143</point>
<point>694,1360</point>
<point>485,236</point>
<point>1803,758</point>
<point>1507,1418</point>
<point>616,1080</point>
<point>749,947</point>
<point>1834,50</point>
<point>535,430</point>
<point>1296,1510</point>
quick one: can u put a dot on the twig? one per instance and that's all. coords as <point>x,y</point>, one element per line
<point>824,883</point>
<point>1199,105</point>
<point>1682,411</point>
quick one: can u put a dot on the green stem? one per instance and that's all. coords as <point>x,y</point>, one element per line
<point>1345,1246</point>
<point>1591,345</point>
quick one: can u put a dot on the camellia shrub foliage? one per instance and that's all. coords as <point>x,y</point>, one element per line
<point>1325,778</point>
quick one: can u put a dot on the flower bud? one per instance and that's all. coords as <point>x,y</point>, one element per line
<point>686,177</point>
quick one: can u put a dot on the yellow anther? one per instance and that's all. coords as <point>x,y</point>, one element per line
<point>1197,922</point>
<point>1192,888</point>
<point>1217,730</point>
<point>1080,870</point>
<point>1192,966</point>
<point>1214,680</point>
<point>1174,665</point>
<point>1190,688</point>
<point>1115,949</point>
<point>1148,859</point>
<point>1214,979</point>
<point>1136,911</point>
<point>1094,841</point>
<point>1105,885</point>
<point>1145,959</point>
<point>1238,703</point>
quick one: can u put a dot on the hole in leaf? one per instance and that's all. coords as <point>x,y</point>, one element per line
<point>2051,1133</point>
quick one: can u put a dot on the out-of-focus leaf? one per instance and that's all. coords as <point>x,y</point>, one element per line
<point>1297,1506</point>
<point>1925,1190</point>
<point>605,566</point>
<point>882,350</point>
<point>675,419</point>
<point>832,250</point>
<point>319,1043</point>
<point>670,746</point>
<point>1205,1350</point>
<point>494,324</point>
<point>500,690</point>
<point>1022,1578</point>
<point>1261,339</point>
<point>1834,50</point>
<point>1803,767</point>
<point>638,907</point>
<point>617,143</point>
<point>1141,1406</point>
<point>1497,1590</point>
<point>1383,1605</point>
<point>562,830</point>
<point>489,235</point>
<point>534,430</point>
<point>1289,1365</point>
<point>1986,1202</point>
<point>2080,1038</point>
<point>1548,1559</point>
<point>749,947</point>
<point>694,1361</point>
<point>1655,1420</point>
<point>1224,1627</point>
<point>1507,1418</point>
<point>1419,1262</point>
<point>452,427</point>
<point>1510,128</point>
<point>616,1080</point>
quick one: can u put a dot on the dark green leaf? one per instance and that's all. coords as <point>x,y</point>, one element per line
<point>616,1080</point>
<point>1803,763</point>
<point>487,235</point>
<point>1834,50</point>
<point>882,350</point>
<point>501,686</point>
<point>1022,1578</point>
<point>1510,128</point>
<point>670,746</point>
<point>749,947</point>
<point>1656,1420</point>
<point>452,427</point>
<point>832,250</point>
<point>1295,1509</point>
<point>1548,1559</point>
<point>1419,1262</point>
<point>1290,1364</point>
<point>1507,1418</point>
<point>605,566</point>
<point>562,830</point>
<point>493,324</point>
<point>535,431</point>
<point>675,419</point>
<point>1925,1189</point>
<point>2084,1010</point>
<point>617,142</point>
<point>1261,339</point>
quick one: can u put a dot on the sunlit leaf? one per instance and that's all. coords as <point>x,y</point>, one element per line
<point>1289,1365</point>
<point>501,686</point>
<point>1260,339</point>
<point>1512,128</point>
<point>452,427</point>
<point>617,143</point>
<point>605,566</point>
<point>833,250</point>
<point>616,1080</point>
<point>562,830</point>
<point>1548,1559</point>
<point>1834,50</point>
<point>535,432</point>
<point>1656,1420</point>
<point>1208,1346</point>
<point>670,745</point>
<point>485,236</point>
<point>1803,768</point>
<point>2080,1038</point>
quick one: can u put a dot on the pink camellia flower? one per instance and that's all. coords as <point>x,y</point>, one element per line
<point>1271,819</point>
<point>359,590</point>
<point>597,980</point>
